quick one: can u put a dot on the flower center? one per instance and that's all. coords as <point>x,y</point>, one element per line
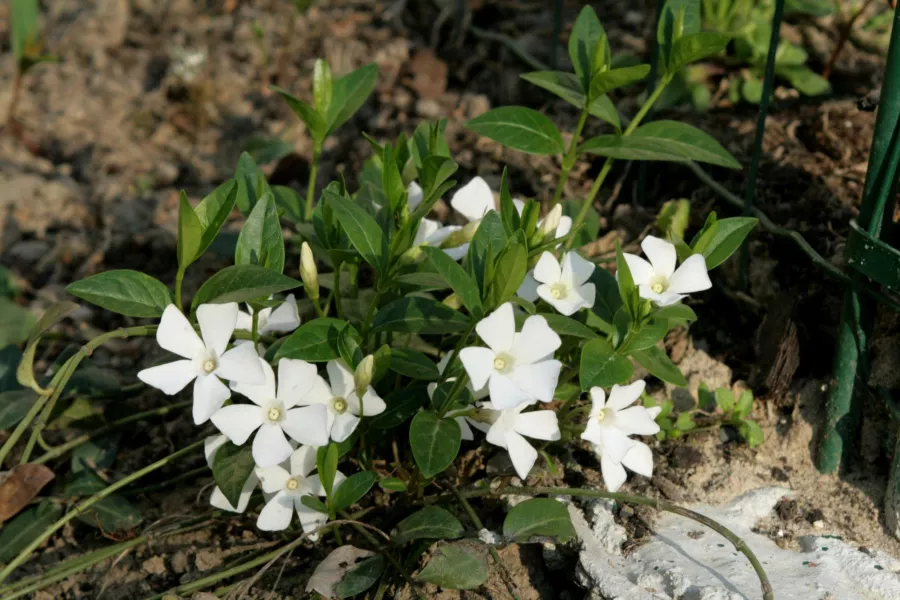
<point>209,365</point>
<point>559,291</point>
<point>292,484</point>
<point>503,363</point>
<point>659,284</point>
<point>274,414</point>
<point>603,415</point>
<point>339,405</point>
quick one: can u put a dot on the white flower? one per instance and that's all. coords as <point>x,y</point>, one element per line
<point>205,359</point>
<point>281,319</point>
<point>506,428</point>
<point>562,226</point>
<point>609,425</point>
<point>658,280</point>
<point>567,288</point>
<point>473,200</point>
<point>273,413</point>
<point>344,408</point>
<point>518,367</point>
<point>433,233</point>
<point>414,195</point>
<point>218,500</point>
<point>288,486</point>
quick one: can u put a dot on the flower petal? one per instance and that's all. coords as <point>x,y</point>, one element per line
<point>641,270</point>
<point>270,447</point>
<point>588,293</point>
<point>615,443</point>
<point>218,499</point>
<point>427,229</point>
<point>479,364</point>
<point>664,299</point>
<point>623,396</point>
<point>592,431</point>
<point>272,479</point>
<point>535,341</point>
<point>209,396</point>
<point>564,227</point>
<point>636,421</point>
<point>171,377</point>
<point>217,323</point>
<point>242,364</point>
<point>661,255</point>
<point>576,270</point>
<point>244,321</point>
<point>259,394</point>
<point>528,289</point>
<point>539,379</point>
<point>567,306</point>
<point>284,318</point>
<point>457,252</point>
<point>344,426</point>
<point>296,379</point>
<point>371,404</point>
<point>497,433</point>
<point>319,393</point>
<point>506,394</point>
<point>598,400</point>
<point>498,329</point>
<point>521,453</point>
<point>238,421</point>
<point>176,334</point>
<point>613,473</point>
<point>315,487</point>
<point>211,445</point>
<point>691,276</point>
<point>474,199</point>
<point>307,425</point>
<point>639,459</point>
<point>465,431</point>
<point>538,424</point>
<point>414,195</point>
<point>341,378</point>
<point>303,461</point>
<point>276,515</point>
<point>547,269</point>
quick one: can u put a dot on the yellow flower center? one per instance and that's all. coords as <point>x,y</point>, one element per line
<point>209,365</point>
<point>292,484</point>
<point>274,414</point>
<point>339,405</point>
<point>503,363</point>
<point>499,363</point>
<point>602,415</point>
<point>659,284</point>
<point>559,291</point>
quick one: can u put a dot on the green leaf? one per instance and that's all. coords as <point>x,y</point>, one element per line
<point>54,314</point>
<point>685,422</point>
<point>26,527</point>
<point>606,81</point>
<point>624,279</point>
<point>113,513</point>
<point>456,566</point>
<point>509,216</point>
<point>607,300</point>
<point>509,272</point>
<point>749,430</point>
<point>441,397</point>
<point>95,455</point>
<point>314,341</point>
<point>696,46</point>
<point>315,124</point>
<point>567,87</point>
<point>645,337</point>
<point>242,283</point>
<point>392,484</point>
<point>348,94</point>
<point>361,577</point>
<point>413,364</point>
<point>288,200</point>
<point>322,86</point>
<point>314,503</point>
<point>602,367</point>
<point>265,149</point>
<point>251,182</point>
<point>587,33</point>
<point>24,31</point>
<point>352,489</point>
<point>657,362</point>
<point>231,468</point>
<point>519,128</point>
<point>212,212</point>
<point>744,404</point>
<point>414,314</point>
<point>665,141</point>
<point>14,405</point>
<point>568,326</point>
<point>460,281</point>
<point>724,400</point>
<point>15,323</point>
<point>260,241</point>
<point>538,517</point>
<point>9,360</point>
<point>434,442</point>
<point>326,465</point>
<point>676,311</point>
<point>130,293</point>
<point>349,347</point>
<point>430,523</point>
<point>678,18</point>
<point>487,243</point>
<point>723,238</point>
<point>363,231</point>
<point>401,405</point>
<point>805,80</point>
<point>190,233</point>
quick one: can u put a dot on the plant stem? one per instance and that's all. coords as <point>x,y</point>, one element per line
<point>571,155</point>
<point>367,324</point>
<point>311,186</point>
<point>338,307</point>
<point>179,277</point>
<point>456,351</point>
<point>86,504</point>
<point>317,306</point>
<point>254,331</point>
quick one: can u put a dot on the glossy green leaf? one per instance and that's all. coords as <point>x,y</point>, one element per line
<point>352,489</point>
<point>510,270</point>
<point>685,422</point>
<point>24,30</point>
<point>744,405</point>
<point>401,405</point>
<point>314,503</point>
<point>9,359</point>
<point>231,468</point>
<point>260,241</point>
<point>539,517</point>
<point>519,128</point>
<point>657,362</point>
<point>242,283</point>
<point>676,311</point>
<point>322,86</point>
<point>190,233</point>
<point>213,211</point>
<point>289,201</point>
<point>113,513</point>
<point>97,454</point>
<point>751,432</point>
<point>392,484</point>
<point>602,367</point>
<point>314,341</point>
<point>413,364</point>
<point>361,577</point>
<point>509,215</point>
<point>54,314</point>
<point>125,292</point>
<point>723,238</point>
<point>488,242</point>
<point>587,33</point>
<point>434,442</point>
<point>696,46</point>
<point>457,566</point>
<point>624,279</point>
<point>363,231</point>
<point>14,405</point>
<point>460,281</point>
<point>315,124</point>
<point>251,183</point>
<point>806,81</point>
<point>648,335</point>
<point>567,87</point>
<point>349,93</point>
<point>724,399</point>
<point>607,81</point>
<point>414,314</point>
<point>607,300</point>
<point>430,523</point>
<point>569,326</point>
<point>26,527</point>
<point>15,323</point>
<point>677,19</point>
<point>665,141</point>
<point>265,149</point>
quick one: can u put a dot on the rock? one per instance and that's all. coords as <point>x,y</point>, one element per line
<point>428,108</point>
<point>154,566</point>
<point>475,105</point>
<point>179,562</point>
<point>207,559</point>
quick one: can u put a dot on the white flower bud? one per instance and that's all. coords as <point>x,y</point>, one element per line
<point>363,376</point>
<point>551,221</point>
<point>462,236</point>
<point>309,274</point>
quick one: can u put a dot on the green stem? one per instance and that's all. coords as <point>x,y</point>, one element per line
<point>254,331</point>
<point>367,324</point>
<point>317,306</point>
<point>179,277</point>
<point>311,186</point>
<point>571,155</point>
<point>338,307</point>
<point>86,504</point>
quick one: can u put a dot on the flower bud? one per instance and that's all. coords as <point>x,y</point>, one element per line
<point>309,274</point>
<point>363,376</point>
<point>461,236</point>
<point>411,256</point>
<point>453,301</point>
<point>551,222</point>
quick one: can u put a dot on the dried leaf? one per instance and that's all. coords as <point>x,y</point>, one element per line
<point>21,485</point>
<point>330,571</point>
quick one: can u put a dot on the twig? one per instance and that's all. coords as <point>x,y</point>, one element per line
<point>843,36</point>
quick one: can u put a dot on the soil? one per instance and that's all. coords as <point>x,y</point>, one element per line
<point>111,134</point>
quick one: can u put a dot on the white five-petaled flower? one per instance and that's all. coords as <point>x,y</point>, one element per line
<point>281,319</point>
<point>274,413</point>
<point>288,487</point>
<point>218,500</point>
<point>344,407</point>
<point>565,287</point>
<point>205,360</point>
<point>659,280</point>
<point>517,367</point>
<point>509,428</point>
<point>432,232</point>
<point>608,427</point>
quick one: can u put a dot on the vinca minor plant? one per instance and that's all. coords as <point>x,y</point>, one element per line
<point>345,407</point>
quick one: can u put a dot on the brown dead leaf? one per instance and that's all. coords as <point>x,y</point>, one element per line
<point>21,485</point>
<point>429,75</point>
